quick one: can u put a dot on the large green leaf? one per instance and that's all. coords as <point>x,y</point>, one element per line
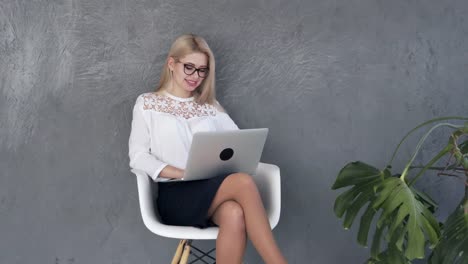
<point>404,216</point>
<point>405,220</point>
<point>364,178</point>
<point>425,199</point>
<point>390,256</point>
<point>355,173</point>
<point>464,147</point>
<point>453,245</point>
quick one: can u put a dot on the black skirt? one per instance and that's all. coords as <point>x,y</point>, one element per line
<point>186,203</point>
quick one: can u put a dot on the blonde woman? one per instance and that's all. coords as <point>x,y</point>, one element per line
<point>162,127</point>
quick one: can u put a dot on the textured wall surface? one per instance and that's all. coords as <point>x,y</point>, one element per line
<point>335,81</point>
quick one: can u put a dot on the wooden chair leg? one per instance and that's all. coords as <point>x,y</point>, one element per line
<point>178,253</point>
<point>185,254</point>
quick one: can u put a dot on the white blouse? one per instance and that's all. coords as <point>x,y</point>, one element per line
<point>162,129</point>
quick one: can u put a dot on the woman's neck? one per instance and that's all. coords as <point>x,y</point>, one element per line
<point>178,92</point>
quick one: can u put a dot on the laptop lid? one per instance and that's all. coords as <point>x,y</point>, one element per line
<point>224,152</point>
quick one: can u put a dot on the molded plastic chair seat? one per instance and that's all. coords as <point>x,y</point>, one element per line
<point>267,179</point>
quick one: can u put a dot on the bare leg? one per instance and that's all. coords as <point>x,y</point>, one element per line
<point>241,188</point>
<point>232,239</point>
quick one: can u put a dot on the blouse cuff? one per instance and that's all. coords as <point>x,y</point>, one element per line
<point>155,176</point>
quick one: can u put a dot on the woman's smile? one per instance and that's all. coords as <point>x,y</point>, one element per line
<point>191,83</point>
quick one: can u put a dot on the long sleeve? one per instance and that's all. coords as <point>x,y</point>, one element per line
<point>227,123</point>
<point>225,120</point>
<point>139,144</point>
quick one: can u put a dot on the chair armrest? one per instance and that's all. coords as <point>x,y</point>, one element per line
<point>268,180</point>
<point>145,197</point>
<point>151,217</point>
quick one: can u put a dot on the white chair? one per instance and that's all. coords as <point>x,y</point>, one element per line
<point>268,182</point>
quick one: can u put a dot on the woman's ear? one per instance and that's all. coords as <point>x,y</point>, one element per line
<point>170,63</point>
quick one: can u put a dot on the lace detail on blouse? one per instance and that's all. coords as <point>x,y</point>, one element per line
<point>186,109</point>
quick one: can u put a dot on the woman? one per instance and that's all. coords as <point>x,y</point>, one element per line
<point>162,128</point>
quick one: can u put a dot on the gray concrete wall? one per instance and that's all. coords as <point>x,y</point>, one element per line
<point>335,81</point>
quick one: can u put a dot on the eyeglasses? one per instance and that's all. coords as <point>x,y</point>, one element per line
<point>190,69</point>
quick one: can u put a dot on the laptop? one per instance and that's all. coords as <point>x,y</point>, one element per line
<point>224,152</point>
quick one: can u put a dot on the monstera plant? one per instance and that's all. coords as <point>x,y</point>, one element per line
<point>400,216</point>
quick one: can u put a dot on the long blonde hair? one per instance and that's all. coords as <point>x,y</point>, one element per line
<point>182,46</point>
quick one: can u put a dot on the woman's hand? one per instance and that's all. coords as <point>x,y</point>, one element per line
<point>172,172</point>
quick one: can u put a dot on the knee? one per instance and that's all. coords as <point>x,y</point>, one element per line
<point>233,215</point>
<point>243,180</point>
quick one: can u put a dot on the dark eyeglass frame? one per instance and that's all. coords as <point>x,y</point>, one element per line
<point>194,69</point>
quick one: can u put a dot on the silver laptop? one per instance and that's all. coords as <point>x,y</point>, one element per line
<point>224,152</point>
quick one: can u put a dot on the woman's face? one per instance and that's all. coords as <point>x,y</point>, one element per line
<point>189,72</point>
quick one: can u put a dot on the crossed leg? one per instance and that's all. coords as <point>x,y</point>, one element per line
<point>236,198</point>
<point>232,238</point>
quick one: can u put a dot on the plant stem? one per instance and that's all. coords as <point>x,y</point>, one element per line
<point>442,153</point>
<point>420,143</point>
<point>419,126</point>
<point>451,167</point>
<point>465,206</point>
<point>450,174</point>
